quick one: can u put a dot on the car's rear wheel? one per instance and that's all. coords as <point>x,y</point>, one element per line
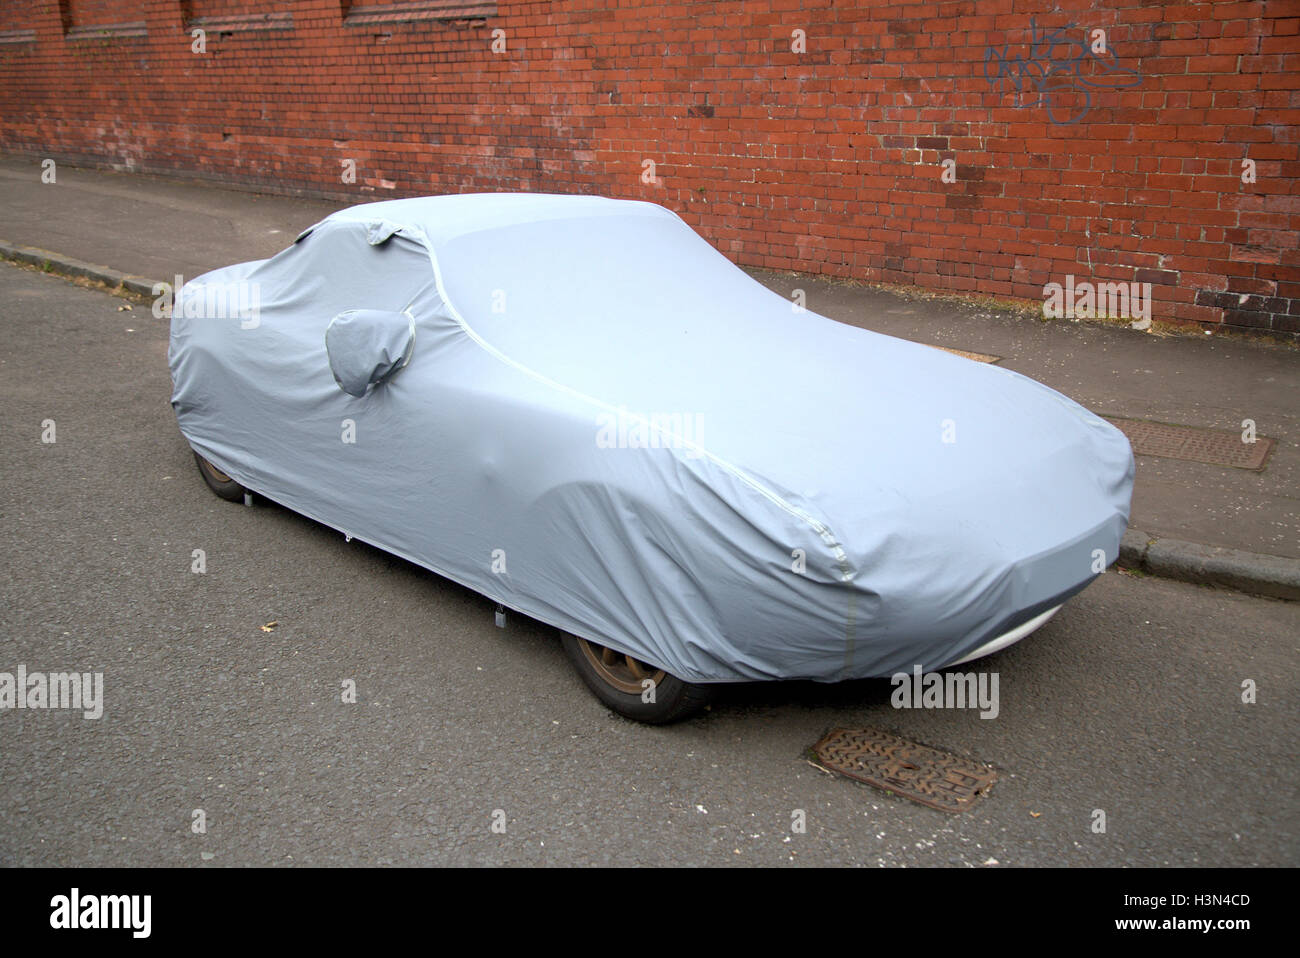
<point>219,482</point>
<point>631,687</point>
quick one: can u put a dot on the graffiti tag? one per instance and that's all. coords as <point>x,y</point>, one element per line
<point>1057,73</point>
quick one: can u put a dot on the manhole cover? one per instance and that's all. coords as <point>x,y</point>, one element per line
<point>1215,446</point>
<point>938,779</point>
<point>978,357</point>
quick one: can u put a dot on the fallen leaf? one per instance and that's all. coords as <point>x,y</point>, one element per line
<point>270,626</point>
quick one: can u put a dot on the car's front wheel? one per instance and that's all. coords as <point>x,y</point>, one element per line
<point>631,687</point>
<point>218,481</point>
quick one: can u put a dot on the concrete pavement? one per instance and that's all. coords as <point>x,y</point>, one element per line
<point>1209,524</point>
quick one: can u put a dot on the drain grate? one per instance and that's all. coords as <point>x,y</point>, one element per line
<point>938,779</point>
<point>978,357</point>
<point>1214,446</point>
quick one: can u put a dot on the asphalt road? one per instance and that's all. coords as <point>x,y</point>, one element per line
<point>1128,701</point>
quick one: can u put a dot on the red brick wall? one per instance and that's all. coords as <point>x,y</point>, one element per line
<point>828,161</point>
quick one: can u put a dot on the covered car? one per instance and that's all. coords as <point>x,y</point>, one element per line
<point>580,409</point>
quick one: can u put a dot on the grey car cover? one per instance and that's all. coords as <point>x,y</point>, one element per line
<point>578,408</point>
<point>367,346</point>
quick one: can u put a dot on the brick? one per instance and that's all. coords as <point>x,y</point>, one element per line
<point>1158,277</point>
<point>826,161</point>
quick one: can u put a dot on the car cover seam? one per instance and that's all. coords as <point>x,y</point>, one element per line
<point>823,531</point>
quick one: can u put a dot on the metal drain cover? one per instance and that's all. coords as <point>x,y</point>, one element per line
<point>1215,446</point>
<point>938,779</point>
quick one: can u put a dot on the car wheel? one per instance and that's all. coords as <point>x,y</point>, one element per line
<point>218,481</point>
<point>619,680</point>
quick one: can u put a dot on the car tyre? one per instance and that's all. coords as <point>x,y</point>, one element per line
<point>219,482</point>
<point>618,681</point>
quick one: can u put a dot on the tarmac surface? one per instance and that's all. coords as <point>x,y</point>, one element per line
<point>1129,701</point>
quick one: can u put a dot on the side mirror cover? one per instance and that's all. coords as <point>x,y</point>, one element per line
<point>366,347</point>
